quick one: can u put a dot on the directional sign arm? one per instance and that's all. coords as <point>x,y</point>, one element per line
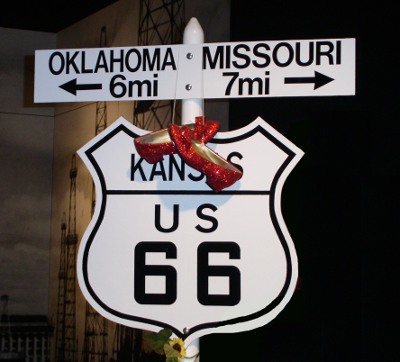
<point>72,86</point>
<point>287,68</point>
<point>319,80</point>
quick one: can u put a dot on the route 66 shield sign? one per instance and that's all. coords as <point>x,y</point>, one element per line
<point>164,250</point>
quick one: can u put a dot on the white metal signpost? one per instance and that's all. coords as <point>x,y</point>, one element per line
<point>319,67</point>
<point>164,250</point>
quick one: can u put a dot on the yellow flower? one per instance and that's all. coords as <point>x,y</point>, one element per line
<point>178,345</point>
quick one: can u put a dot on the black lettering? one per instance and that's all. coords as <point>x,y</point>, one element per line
<point>250,83</point>
<point>228,57</point>
<point>262,55</point>
<point>141,270</point>
<point>137,167</point>
<point>155,85</point>
<point>157,220</point>
<point>133,60</point>
<point>140,84</point>
<point>114,60</point>
<point>338,52</point>
<point>115,85</point>
<point>70,62</point>
<point>239,156</point>
<point>234,76</point>
<point>53,57</point>
<point>83,64</point>
<point>154,62</point>
<point>310,59</point>
<point>243,56</point>
<point>101,62</point>
<point>266,83</point>
<point>290,56</point>
<point>328,46</point>
<point>212,62</point>
<point>155,172</point>
<point>169,60</point>
<point>203,216</point>
<point>206,270</point>
<point>173,165</point>
<point>196,178</point>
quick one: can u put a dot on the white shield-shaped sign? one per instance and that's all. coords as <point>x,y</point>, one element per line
<point>164,250</point>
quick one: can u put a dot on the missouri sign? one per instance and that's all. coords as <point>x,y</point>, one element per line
<point>315,67</point>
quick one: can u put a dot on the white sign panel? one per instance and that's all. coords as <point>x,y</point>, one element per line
<point>290,68</point>
<point>164,250</point>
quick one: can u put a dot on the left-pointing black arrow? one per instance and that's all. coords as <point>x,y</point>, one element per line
<point>72,86</point>
<point>319,80</point>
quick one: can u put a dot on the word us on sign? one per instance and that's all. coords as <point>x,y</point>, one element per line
<point>214,70</point>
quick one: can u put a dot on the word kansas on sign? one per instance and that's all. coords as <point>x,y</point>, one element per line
<point>214,70</point>
<point>164,250</point>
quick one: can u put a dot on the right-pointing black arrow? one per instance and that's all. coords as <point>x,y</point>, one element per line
<point>72,86</point>
<point>319,80</point>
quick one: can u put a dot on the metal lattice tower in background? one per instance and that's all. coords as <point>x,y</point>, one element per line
<point>161,22</point>
<point>101,106</point>
<point>9,349</point>
<point>5,330</point>
<point>127,344</point>
<point>96,327</point>
<point>68,353</point>
<point>62,291</point>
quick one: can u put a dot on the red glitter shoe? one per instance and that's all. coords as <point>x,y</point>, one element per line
<point>220,173</point>
<point>155,145</point>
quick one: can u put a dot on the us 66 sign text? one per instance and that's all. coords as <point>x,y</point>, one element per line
<point>164,250</point>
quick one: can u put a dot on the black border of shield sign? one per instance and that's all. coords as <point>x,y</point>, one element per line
<point>121,128</point>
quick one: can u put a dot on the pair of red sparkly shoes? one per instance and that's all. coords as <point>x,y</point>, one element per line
<point>189,142</point>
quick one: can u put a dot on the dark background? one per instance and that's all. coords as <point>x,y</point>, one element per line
<point>47,15</point>
<point>340,202</point>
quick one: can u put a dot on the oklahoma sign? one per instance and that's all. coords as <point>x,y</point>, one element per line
<point>163,250</point>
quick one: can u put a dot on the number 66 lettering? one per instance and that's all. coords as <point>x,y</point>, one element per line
<point>204,271</point>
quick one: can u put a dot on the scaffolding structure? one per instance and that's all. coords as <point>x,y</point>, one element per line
<point>66,307</point>
<point>161,22</point>
<point>95,345</point>
<point>5,330</point>
<point>9,349</point>
<point>62,288</point>
<point>127,344</point>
